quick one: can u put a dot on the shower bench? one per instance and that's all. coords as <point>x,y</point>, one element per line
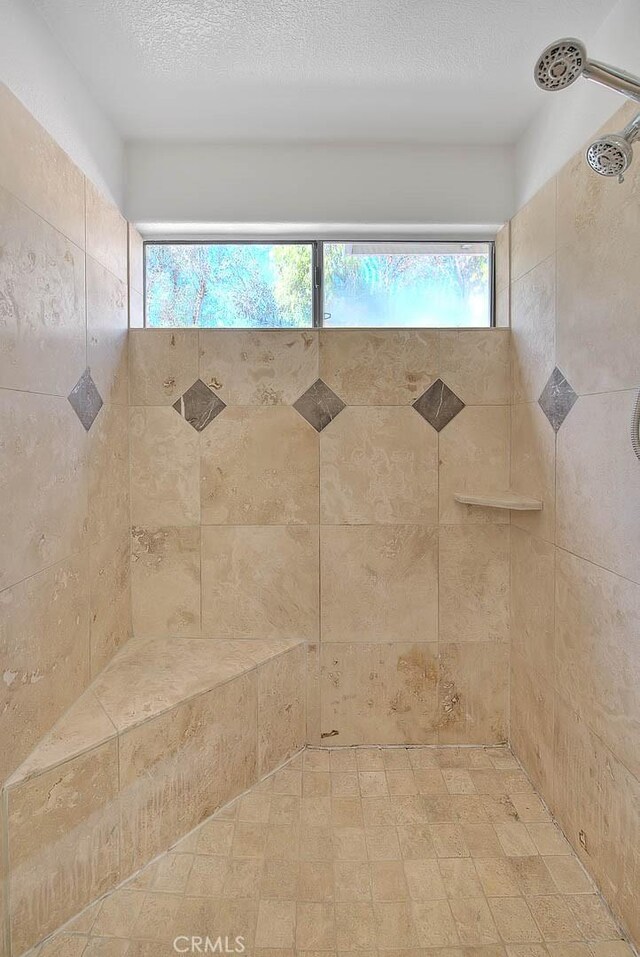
<point>170,731</point>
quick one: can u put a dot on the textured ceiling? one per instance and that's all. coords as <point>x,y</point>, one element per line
<point>428,71</point>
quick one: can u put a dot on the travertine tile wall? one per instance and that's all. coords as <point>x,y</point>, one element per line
<point>575,677</point>
<point>64,501</point>
<point>295,492</point>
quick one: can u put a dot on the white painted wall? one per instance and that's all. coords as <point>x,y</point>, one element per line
<point>37,72</point>
<point>320,184</point>
<point>567,120</point>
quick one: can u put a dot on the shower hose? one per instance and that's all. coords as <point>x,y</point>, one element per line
<point>635,427</point>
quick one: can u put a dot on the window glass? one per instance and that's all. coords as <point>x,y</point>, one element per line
<point>228,285</point>
<point>407,284</point>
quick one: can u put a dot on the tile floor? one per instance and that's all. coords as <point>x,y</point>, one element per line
<point>446,852</point>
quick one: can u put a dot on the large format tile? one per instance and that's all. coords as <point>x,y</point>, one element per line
<point>37,171</point>
<point>473,693</point>
<point>379,583</point>
<point>533,331</point>
<point>531,730</point>
<point>107,332</point>
<point>109,597</point>
<point>281,708</point>
<point>598,484</point>
<point>597,653</point>
<point>180,767</point>
<point>532,600</point>
<point>107,236</point>
<point>378,464</point>
<point>379,693</point>
<point>163,364</point>
<point>475,364</point>
<point>109,474</point>
<point>474,583</point>
<point>43,484</point>
<point>165,581</point>
<point>258,367</point>
<point>533,468</point>
<point>259,466</point>
<point>474,457</point>
<point>43,330</point>
<point>44,642</point>
<point>165,468</point>
<point>260,581</point>
<point>378,367</point>
<point>72,856</point>
<point>533,231</point>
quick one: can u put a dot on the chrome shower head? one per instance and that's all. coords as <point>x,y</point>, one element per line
<point>560,64</point>
<point>611,155</point>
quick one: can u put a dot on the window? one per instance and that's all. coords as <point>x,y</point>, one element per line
<point>330,284</point>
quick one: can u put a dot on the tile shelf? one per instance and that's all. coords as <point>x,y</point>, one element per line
<point>521,503</point>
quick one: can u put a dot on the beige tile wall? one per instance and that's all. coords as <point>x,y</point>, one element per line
<point>575,566</point>
<point>64,509</point>
<point>260,527</point>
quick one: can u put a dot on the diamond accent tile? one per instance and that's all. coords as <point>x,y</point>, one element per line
<point>85,399</point>
<point>557,399</point>
<point>199,405</point>
<point>438,405</point>
<point>319,405</point>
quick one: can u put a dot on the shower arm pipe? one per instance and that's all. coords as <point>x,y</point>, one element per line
<point>618,80</point>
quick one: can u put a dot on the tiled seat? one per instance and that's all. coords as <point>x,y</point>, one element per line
<point>171,730</point>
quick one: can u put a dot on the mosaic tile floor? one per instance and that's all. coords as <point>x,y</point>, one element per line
<point>446,852</point>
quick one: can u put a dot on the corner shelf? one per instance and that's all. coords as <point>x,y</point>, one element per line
<point>521,503</point>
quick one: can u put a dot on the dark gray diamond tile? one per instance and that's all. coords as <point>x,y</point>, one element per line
<point>199,405</point>
<point>319,405</point>
<point>557,399</point>
<point>85,399</point>
<point>438,405</point>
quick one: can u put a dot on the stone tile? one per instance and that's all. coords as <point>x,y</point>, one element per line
<point>78,832</point>
<point>598,666</point>
<point>109,598</point>
<point>475,364</point>
<point>548,839</point>
<point>163,364</point>
<point>497,877</point>
<point>378,465</point>
<point>45,656</point>
<point>594,519</point>
<point>107,235</point>
<point>438,405</point>
<point>315,926</point>
<point>557,399</point>
<point>276,923</point>
<point>397,923</point>
<point>136,310</point>
<point>533,231</point>
<point>43,334</point>
<point>568,875</point>
<point>174,871</point>
<point>260,581</point>
<point>532,601</point>
<point>118,913</point>
<point>281,709</point>
<point>378,366</point>
<point>319,405</point>
<point>355,926</point>
<point>515,839</point>
<point>136,258</point>
<point>258,367</point>
<point>352,881</point>
<point>592,917</point>
<point>514,920</point>
<point>502,257</point>
<point>533,323</point>
<point>199,405</point>
<point>460,878</point>
<point>107,333</point>
<point>424,880</point>
<point>533,468</point>
<point>85,399</point>
<point>165,480</point>
<point>379,693</point>
<point>109,513</point>
<point>388,881</point>
<point>474,921</point>
<point>598,248</point>
<point>180,767</point>
<point>473,693</point>
<point>474,457</point>
<point>36,170</point>
<point>165,581</point>
<point>553,917</point>
<point>379,583</point>
<point>259,466</point>
<point>474,583</point>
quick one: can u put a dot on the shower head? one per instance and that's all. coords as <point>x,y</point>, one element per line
<point>563,61</point>
<point>611,155</point>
